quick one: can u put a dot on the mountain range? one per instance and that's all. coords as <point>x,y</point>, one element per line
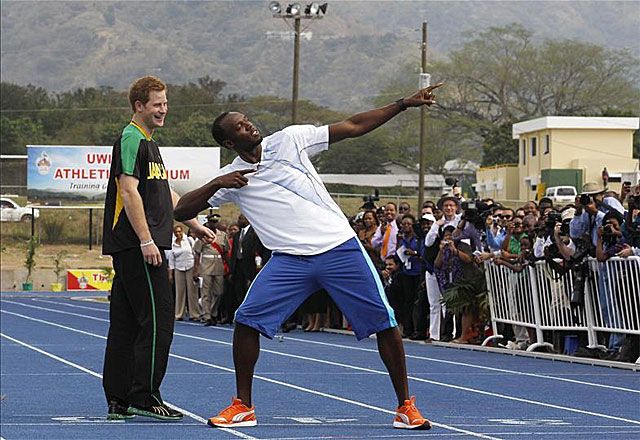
<point>351,54</point>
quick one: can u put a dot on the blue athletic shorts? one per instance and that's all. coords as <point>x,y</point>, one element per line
<point>346,272</point>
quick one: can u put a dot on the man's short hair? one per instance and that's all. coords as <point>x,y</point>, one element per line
<point>545,202</point>
<point>217,131</point>
<point>141,88</point>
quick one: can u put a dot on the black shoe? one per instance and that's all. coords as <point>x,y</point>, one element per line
<point>447,338</point>
<point>210,323</point>
<point>287,327</point>
<point>418,336</point>
<point>118,412</point>
<point>160,412</point>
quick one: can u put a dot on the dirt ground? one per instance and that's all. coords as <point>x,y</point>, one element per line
<point>78,256</point>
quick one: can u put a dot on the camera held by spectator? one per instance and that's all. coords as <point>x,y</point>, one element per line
<point>369,201</point>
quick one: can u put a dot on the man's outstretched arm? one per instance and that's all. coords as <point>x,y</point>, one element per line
<point>196,201</point>
<point>362,123</point>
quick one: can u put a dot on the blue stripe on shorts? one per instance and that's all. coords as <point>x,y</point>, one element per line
<point>346,272</point>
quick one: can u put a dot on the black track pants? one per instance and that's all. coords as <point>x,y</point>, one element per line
<point>140,331</point>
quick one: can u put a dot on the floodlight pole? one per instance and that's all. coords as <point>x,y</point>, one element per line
<point>423,115</point>
<point>296,70</point>
<point>297,17</point>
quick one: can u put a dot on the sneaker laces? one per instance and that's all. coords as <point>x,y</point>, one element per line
<point>230,411</point>
<point>409,404</point>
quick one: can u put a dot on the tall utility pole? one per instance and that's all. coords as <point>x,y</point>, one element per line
<point>423,115</point>
<point>296,69</point>
<point>296,12</point>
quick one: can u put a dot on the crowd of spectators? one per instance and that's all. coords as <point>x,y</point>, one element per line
<point>430,262</point>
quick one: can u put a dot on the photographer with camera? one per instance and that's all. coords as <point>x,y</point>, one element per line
<point>610,242</point>
<point>588,216</point>
<point>471,224</point>
<point>631,225</point>
<point>566,246</point>
<point>449,206</point>
<point>610,239</point>
<point>544,233</point>
<point>449,270</point>
<point>589,222</point>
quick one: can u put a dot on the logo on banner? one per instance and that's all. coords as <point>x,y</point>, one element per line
<point>89,279</point>
<point>43,164</point>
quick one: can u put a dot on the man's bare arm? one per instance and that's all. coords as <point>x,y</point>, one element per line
<point>133,206</point>
<point>362,123</point>
<point>196,201</point>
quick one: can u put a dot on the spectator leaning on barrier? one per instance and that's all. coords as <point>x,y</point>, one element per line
<point>609,243</point>
<point>588,223</point>
<point>511,243</point>
<point>495,232</point>
<point>610,239</point>
<point>631,226</point>
<point>566,246</point>
<point>516,255</point>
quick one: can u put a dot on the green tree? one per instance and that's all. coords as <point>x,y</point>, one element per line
<point>16,134</point>
<point>500,76</point>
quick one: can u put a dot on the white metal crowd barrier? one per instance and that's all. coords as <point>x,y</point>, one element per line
<point>539,298</point>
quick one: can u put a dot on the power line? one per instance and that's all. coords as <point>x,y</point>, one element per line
<point>66,109</point>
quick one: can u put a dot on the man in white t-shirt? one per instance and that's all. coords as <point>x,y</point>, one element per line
<point>274,183</point>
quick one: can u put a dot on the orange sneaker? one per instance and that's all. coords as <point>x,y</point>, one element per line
<point>236,415</point>
<point>409,417</point>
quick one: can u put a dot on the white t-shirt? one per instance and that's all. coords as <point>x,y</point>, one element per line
<point>285,201</point>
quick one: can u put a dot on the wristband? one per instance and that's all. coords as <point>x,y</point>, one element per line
<point>146,243</point>
<point>401,104</point>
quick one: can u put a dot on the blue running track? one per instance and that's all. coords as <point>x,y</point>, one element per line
<point>307,386</point>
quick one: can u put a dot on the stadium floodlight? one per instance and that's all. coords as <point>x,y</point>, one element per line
<point>275,7</point>
<point>294,9</point>
<point>295,12</point>
<point>313,9</point>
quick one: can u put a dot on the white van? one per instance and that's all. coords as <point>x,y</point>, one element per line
<point>561,195</point>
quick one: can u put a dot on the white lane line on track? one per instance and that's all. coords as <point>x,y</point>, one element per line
<point>424,358</point>
<point>418,379</point>
<point>518,399</point>
<point>266,379</point>
<point>98,375</point>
